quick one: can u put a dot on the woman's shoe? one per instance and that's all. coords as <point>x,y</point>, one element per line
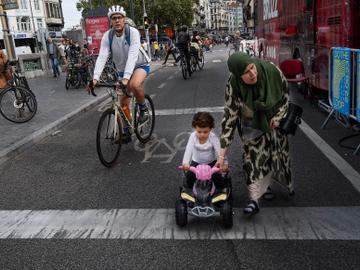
<point>268,195</point>
<point>252,208</point>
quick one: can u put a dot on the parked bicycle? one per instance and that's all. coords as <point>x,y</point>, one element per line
<point>73,76</point>
<point>117,120</point>
<point>108,76</point>
<point>17,102</point>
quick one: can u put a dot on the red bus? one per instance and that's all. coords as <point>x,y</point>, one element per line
<point>306,30</point>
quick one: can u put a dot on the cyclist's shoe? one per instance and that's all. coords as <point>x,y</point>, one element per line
<point>143,115</point>
<point>126,136</point>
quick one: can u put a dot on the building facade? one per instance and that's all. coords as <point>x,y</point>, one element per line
<point>32,22</point>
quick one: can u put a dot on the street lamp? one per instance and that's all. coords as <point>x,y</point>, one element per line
<point>146,29</point>
<point>33,22</point>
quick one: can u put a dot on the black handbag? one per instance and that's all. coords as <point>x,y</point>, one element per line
<point>289,124</point>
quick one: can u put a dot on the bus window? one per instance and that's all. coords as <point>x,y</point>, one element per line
<point>309,4</point>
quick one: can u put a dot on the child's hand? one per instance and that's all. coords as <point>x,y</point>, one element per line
<point>186,167</point>
<point>225,168</point>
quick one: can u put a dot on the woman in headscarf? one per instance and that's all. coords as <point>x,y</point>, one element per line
<point>257,96</point>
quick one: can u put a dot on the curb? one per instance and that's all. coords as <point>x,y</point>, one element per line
<point>40,134</point>
<point>31,139</point>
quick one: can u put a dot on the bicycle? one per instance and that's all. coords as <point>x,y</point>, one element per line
<point>117,119</point>
<point>73,76</point>
<point>195,61</point>
<point>18,103</point>
<point>108,75</point>
<point>183,65</point>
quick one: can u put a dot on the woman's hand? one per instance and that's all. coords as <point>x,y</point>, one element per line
<point>274,123</point>
<point>186,167</point>
<point>220,163</point>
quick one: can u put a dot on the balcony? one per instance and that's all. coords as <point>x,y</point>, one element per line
<point>53,21</point>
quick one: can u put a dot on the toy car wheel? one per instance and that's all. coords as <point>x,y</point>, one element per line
<point>181,213</point>
<point>226,214</point>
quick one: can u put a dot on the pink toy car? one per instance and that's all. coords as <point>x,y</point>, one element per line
<point>204,199</point>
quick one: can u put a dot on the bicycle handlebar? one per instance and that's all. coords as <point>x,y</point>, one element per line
<point>119,84</point>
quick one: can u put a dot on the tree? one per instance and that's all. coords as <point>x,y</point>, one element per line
<point>171,13</point>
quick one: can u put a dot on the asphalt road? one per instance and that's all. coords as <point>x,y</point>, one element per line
<point>63,173</point>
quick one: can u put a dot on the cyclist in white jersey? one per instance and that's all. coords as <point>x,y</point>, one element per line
<point>131,61</point>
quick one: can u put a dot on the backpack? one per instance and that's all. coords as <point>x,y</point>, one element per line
<point>183,38</point>
<point>128,23</point>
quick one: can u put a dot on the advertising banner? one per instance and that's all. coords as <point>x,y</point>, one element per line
<point>358,85</point>
<point>341,80</point>
<point>95,29</point>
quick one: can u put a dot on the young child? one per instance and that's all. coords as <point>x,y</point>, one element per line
<point>202,148</point>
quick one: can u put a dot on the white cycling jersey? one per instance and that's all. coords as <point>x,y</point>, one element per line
<point>125,57</point>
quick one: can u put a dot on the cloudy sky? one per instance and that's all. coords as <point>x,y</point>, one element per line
<point>71,15</point>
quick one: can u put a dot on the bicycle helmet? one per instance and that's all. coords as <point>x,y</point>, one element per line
<point>116,10</point>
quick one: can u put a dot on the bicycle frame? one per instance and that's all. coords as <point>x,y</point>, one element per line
<point>115,93</point>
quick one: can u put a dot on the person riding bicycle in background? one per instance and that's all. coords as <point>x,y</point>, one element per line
<point>131,61</point>
<point>195,45</point>
<point>183,42</point>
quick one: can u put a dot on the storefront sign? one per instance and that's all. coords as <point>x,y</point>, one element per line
<point>10,4</point>
<point>32,64</point>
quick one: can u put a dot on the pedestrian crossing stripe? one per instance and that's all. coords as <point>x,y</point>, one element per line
<point>278,223</point>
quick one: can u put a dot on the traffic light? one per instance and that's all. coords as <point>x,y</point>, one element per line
<point>146,22</point>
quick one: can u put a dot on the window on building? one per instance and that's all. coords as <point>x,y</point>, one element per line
<point>36,4</point>
<point>24,4</point>
<point>23,24</point>
<point>39,23</point>
<point>53,10</point>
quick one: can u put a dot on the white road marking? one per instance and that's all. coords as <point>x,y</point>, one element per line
<point>162,85</point>
<point>278,223</point>
<point>216,61</point>
<point>345,168</point>
<point>188,110</point>
<point>170,78</point>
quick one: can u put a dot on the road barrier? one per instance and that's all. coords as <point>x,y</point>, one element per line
<point>344,85</point>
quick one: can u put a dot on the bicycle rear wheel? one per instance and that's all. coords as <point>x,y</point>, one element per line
<point>201,62</point>
<point>18,104</point>
<point>108,138</point>
<point>144,130</point>
<point>184,69</point>
<point>193,63</point>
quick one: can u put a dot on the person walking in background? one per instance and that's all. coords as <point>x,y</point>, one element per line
<point>170,49</point>
<point>156,50</point>
<point>53,52</point>
<point>257,95</point>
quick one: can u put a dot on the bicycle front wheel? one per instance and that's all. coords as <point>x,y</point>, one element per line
<point>108,138</point>
<point>201,62</point>
<point>184,69</point>
<point>144,130</point>
<point>18,104</point>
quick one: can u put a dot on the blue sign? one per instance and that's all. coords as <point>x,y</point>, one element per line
<point>358,85</point>
<point>341,80</point>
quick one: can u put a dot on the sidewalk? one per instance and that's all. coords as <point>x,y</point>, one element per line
<point>56,107</point>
